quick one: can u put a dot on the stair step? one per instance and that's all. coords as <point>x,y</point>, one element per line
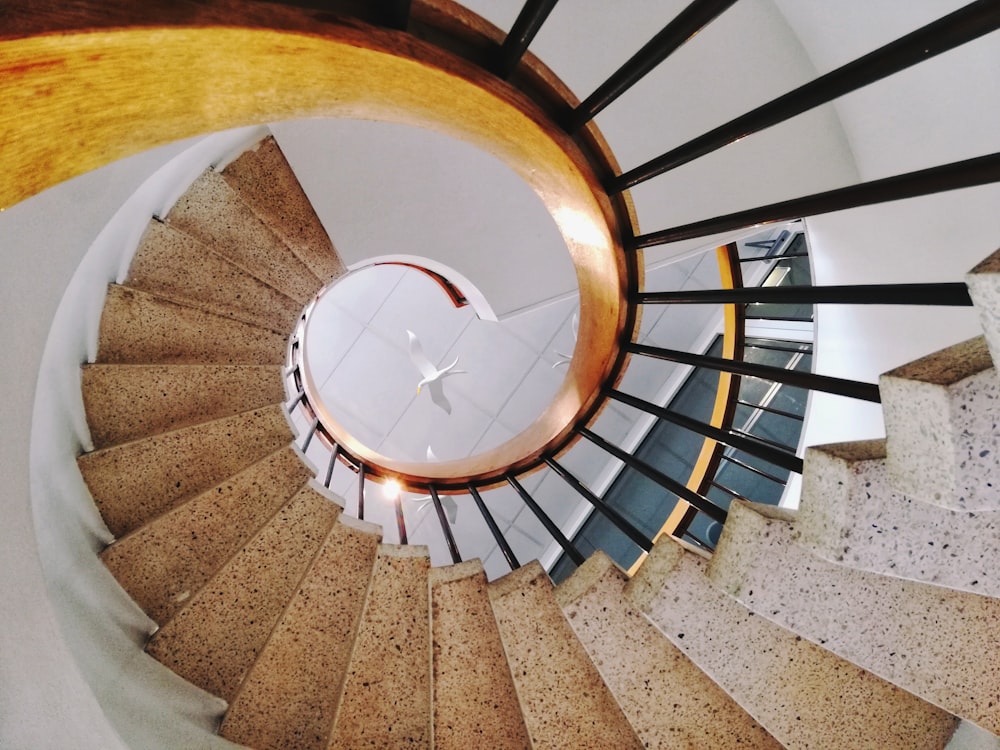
<point>850,514</point>
<point>213,213</point>
<point>941,418</point>
<point>264,180</point>
<point>475,703</point>
<point>166,561</point>
<point>800,693</point>
<point>667,699</point>
<point>134,482</point>
<point>983,282</point>
<point>142,328</point>
<point>563,699</point>
<point>130,402</point>
<point>387,691</point>
<point>936,643</point>
<point>290,697</point>
<point>175,265</point>
<point>217,637</point>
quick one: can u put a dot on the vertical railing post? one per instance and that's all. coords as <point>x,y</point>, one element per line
<point>361,491</point>
<point>508,553</point>
<point>449,538</point>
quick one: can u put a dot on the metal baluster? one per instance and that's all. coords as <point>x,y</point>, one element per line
<point>807,380</point>
<point>622,523</point>
<point>685,25</point>
<point>361,491</point>
<point>566,544</point>
<point>981,170</point>
<point>783,458</point>
<point>864,294</point>
<point>668,483</point>
<point>508,553</point>
<point>449,538</point>
<point>310,433</point>
<point>953,30</point>
<point>330,466</point>
<point>400,520</point>
<point>528,22</point>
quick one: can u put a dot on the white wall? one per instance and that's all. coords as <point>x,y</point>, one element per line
<point>940,111</point>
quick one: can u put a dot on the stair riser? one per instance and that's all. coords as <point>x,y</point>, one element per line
<point>936,643</point>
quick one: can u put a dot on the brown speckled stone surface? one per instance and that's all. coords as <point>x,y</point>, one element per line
<point>942,423</point>
<point>163,564</point>
<point>128,402</point>
<point>265,182</point>
<point>936,643</point>
<point>216,638</point>
<point>211,212</point>
<point>141,328</point>
<point>387,692</point>
<point>564,701</point>
<point>475,704</point>
<point>850,514</point>
<point>667,699</point>
<point>133,482</point>
<point>805,696</point>
<point>174,265</point>
<point>290,697</point>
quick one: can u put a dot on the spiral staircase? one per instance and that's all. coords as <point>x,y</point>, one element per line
<point>863,620</point>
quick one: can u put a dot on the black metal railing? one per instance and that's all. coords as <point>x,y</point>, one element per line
<point>740,443</point>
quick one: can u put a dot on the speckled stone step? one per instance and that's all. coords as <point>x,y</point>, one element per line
<point>386,702</point>
<point>564,701</point>
<point>217,637</point>
<point>129,402</point>
<point>290,697</point>
<point>941,419</point>
<point>142,328</point>
<point>266,183</point>
<point>805,696</point>
<point>850,514</point>
<point>983,282</point>
<point>165,562</point>
<point>667,699</point>
<point>133,482</point>
<point>475,703</point>
<point>213,213</point>
<point>936,643</point>
<point>176,266</point>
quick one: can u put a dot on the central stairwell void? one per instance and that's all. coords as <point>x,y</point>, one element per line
<point>864,619</point>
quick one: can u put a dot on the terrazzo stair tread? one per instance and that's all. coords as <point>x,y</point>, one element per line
<point>133,482</point>
<point>165,562</point>
<point>851,515</point>
<point>563,699</point>
<point>178,267</point>
<point>934,642</point>
<point>386,701</point>
<point>215,639</point>
<point>803,695</point>
<point>666,698</point>
<point>289,698</point>
<point>941,416</point>
<point>475,702</point>
<point>264,180</point>
<point>983,282</point>
<point>142,328</point>
<point>130,402</point>
<point>213,213</point>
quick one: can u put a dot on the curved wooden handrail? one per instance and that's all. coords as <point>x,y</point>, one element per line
<point>85,86</point>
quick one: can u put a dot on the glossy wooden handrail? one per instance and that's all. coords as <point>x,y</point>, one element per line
<point>100,83</point>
